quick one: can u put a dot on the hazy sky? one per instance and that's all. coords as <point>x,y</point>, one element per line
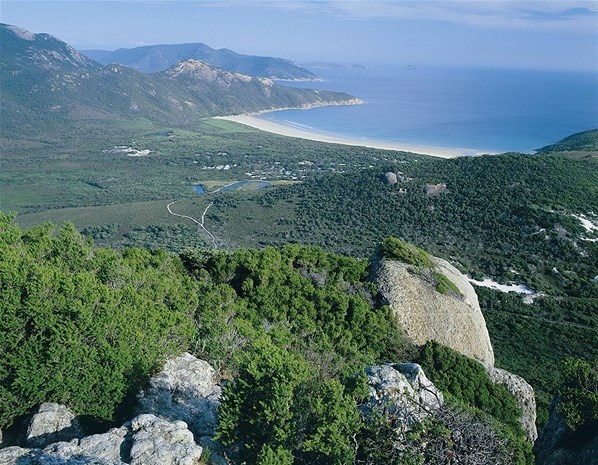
<point>530,34</point>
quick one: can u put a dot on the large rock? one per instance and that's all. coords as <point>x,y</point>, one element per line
<point>558,445</point>
<point>524,395</point>
<point>402,392</point>
<point>108,446</point>
<point>58,455</point>
<point>390,178</point>
<point>434,190</point>
<point>160,442</point>
<point>146,440</point>
<point>425,314</point>
<point>52,423</point>
<point>184,390</point>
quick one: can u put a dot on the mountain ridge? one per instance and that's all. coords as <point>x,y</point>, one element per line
<point>44,78</point>
<point>160,57</point>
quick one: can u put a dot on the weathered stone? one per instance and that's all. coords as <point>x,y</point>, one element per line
<point>390,178</point>
<point>524,395</point>
<point>62,453</point>
<point>160,442</point>
<point>558,445</point>
<point>63,449</point>
<point>434,190</point>
<point>107,446</point>
<point>184,390</point>
<point>403,392</point>
<point>13,455</point>
<point>425,314</point>
<point>52,423</point>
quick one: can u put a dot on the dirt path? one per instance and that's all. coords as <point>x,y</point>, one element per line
<point>199,223</point>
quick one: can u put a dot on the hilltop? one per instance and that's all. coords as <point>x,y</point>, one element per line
<point>155,58</point>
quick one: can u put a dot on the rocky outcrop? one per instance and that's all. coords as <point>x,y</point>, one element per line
<point>390,178</point>
<point>146,440</point>
<point>425,314</point>
<point>184,393</point>
<point>434,190</point>
<point>52,423</point>
<point>558,445</point>
<point>157,441</point>
<point>524,395</point>
<point>110,446</point>
<point>186,390</point>
<point>402,392</point>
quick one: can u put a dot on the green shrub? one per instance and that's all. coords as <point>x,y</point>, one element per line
<point>278,410</point>
<point>467,382</point>
<point>579,393</point>
<point>84,327</point>
<point>466,385</point>
<point>396,249</point>
<point>444,285</point>
<point>257,407</point>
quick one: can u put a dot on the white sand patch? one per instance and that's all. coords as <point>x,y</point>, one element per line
<point>522,289</point>
<point>590,226</point>
<point>129,151</point>
<point>518,288</point>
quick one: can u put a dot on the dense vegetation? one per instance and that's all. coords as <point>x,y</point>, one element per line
<point>84,326</point>
<point>499,215</point>
<point>579,394</point>
<point>290,328</point>
<point>466,384</point>
<point>534,339</point>
<point>324,298</point>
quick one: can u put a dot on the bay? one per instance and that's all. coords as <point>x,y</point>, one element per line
<point>494,110</point>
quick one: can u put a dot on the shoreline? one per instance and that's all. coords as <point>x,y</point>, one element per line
<point>282,129</point>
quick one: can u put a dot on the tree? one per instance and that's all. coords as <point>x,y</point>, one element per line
<point>84,326</point>
<point>257,409</point>
<point>579,393</point>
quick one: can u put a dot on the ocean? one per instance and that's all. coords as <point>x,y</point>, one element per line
<point>494,110</point>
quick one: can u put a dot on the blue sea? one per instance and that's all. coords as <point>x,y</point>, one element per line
<point>494,110</point>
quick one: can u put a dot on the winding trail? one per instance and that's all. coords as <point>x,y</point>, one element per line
<point>199,223</point>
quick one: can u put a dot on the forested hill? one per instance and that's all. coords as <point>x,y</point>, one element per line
<point>289,328</point>
<point>512,217</point>
<point>154,58</point>
<point>518,219</point>
<point>42,78</point>
<point>586,141</point>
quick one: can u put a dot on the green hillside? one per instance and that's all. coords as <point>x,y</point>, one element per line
<point>586,141</point>
<point>42,79</point>
<point>290,328</point>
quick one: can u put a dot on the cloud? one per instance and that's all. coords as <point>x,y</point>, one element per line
<point>580,16</point>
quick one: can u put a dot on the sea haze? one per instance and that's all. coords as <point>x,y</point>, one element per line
<point>494,110</point>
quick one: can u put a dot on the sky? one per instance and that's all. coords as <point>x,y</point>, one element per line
<point>509,34</point>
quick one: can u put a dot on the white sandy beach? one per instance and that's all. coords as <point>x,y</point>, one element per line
<point>291,131</point>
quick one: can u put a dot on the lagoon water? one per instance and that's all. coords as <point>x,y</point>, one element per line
<point>495,110</point>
